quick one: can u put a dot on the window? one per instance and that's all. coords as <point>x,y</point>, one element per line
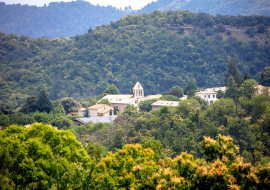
<point>208,96</point>
<point>205,96</point>
<point>213,96</point>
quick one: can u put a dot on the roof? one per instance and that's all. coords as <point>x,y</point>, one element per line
<point>137,86</point>
<point>165,103</point>
<point>119,98</point>
<point>104,111</point>
<point>104,119</point>
<point>95,107</point>
<point>211,90</point>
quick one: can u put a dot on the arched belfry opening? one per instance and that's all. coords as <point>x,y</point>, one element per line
<point>138,91</point>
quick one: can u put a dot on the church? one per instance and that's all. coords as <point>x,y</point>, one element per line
<point>121,101</point>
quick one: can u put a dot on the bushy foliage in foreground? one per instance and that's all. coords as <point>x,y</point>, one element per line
<point>42,157</point>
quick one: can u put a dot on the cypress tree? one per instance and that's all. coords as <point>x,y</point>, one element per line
<point>114,111</point>
<point>232,91</point>
<point>232,69</point>
<point>44,102</point>
<point>86,114</point>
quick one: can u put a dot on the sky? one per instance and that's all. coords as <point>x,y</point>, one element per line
<point>135,4</point>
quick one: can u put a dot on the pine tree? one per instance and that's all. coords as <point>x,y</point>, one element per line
<point>232,69</point>
<point>265,77</point>
<point>44,102</point>
<point>246,77</point>
<point>232,91</point>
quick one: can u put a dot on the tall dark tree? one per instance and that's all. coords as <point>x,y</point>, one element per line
<point>110,112</point>
<point>232,69</point>
<point>232,91</point>
<point>44,102</point>
<point>246,77</point>
<point>30,105</point>
<point>86,113</point>
<point>265,77</point>
<point>190,88</point>
<point>114,111</point>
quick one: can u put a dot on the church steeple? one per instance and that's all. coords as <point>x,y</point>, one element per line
<point>138,91</point>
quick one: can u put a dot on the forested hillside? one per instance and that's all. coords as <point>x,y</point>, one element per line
<point>213,7</point>
<point>159,49</point>
<point>62,19</point>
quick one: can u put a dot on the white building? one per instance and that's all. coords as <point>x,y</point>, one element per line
<point>121,101</point>
<point>210,94</point>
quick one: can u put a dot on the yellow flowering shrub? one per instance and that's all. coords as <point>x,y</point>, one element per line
<point>135,168</point>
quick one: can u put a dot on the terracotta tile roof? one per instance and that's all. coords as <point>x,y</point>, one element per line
<point>97,106</point>
<point>104,111</point>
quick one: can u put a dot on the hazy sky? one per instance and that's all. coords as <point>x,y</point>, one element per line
<point>135,4</point>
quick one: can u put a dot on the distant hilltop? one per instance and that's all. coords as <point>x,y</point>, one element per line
<point>63,19</point>
<point>213,7</point>
<point>66,19</point>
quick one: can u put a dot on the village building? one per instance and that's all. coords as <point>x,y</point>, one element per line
<point>160,103</point>
<point>97,110</point>
<point>121,101</point>
<point>259,89</point>
<point>210,94</point>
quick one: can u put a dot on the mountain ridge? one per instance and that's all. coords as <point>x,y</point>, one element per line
<point>66,19</point>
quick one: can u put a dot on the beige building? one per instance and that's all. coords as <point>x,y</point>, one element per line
<point>160,103</point>
<point>97,110</point>
<point>210,94</point>
<point>121,101</point>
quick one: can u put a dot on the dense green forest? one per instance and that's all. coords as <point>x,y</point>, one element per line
<point>159,49</point>
<point>213,7</point>
<point>58,19</point>
<point>66,19</point>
